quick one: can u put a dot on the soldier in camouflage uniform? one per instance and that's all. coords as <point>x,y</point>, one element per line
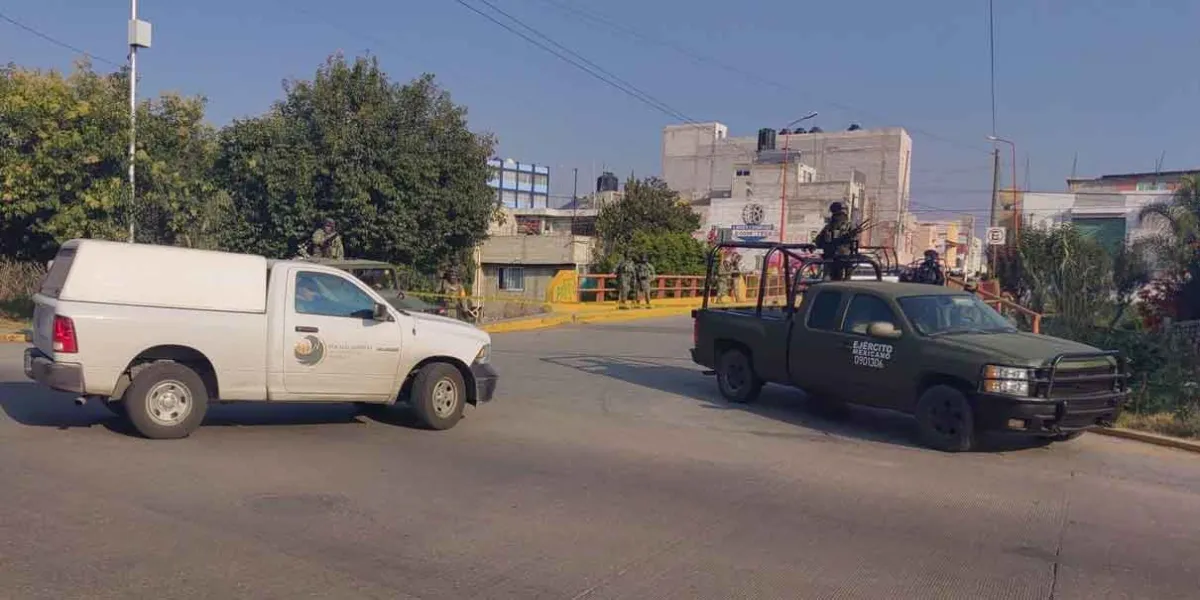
<point>451,294</point>
<point>644,273</point>
<point>838,241</point>
<point>625,281</point>
<point>723,278</point>
<point>327,242</point>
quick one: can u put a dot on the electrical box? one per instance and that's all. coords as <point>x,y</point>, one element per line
<point>139,33</point>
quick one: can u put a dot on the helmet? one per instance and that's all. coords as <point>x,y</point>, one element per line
<point>328,222</point>
<point>836,208</point>
<point>931,254</point>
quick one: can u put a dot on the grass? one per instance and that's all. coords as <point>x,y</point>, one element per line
<point>18,281</point>
<point>1163,424</point>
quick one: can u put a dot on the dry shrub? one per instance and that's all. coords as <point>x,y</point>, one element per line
<point>1176,425</point>
<point>18,282</point>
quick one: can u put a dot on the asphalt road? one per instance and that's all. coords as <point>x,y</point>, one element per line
<point>607,468</point>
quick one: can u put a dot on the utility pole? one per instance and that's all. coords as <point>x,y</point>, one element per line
<point>783,176</point>
<point>139,37</point>
<point>575,202</point>
<point>995,200</point>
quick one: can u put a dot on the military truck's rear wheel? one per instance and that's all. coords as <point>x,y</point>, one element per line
<point>736,378</point>
<point>945,419</point>
<point>166,401</point>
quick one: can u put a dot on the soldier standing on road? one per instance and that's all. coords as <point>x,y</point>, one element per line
<point>625,281</point>
<point>452,294</point>
<point>327,242</point>
<point>838,240</point>
<point>644,272</point>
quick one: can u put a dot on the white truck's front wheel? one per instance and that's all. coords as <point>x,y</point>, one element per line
<point>166,401</point>
<point>439,395</point>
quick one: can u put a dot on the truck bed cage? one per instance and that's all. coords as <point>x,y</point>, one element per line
<point>794,284</point>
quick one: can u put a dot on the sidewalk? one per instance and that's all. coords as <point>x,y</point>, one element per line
<point>593,312</point>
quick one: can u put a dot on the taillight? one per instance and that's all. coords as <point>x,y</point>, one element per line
<point>64,335</point>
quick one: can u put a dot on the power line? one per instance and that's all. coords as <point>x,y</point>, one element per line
<point>713,62</point>
<point>56,41</point>
<point>598,73</point>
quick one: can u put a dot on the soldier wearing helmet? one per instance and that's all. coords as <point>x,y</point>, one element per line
<point>327,242</point>
<point>929,271</point>
<point>838,242</point>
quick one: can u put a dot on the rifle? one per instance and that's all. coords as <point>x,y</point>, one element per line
<point>329,239</point>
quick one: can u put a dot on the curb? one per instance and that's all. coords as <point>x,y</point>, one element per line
<point>1149,438</point>
<point>583,318</point>
<point>13,338</point>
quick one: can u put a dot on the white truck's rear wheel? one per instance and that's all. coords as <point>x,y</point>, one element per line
<point>439,395</point>
<point>166,401</point>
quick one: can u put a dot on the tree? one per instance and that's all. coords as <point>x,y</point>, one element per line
<point>1177,250</point>
<point>1064,272</point>
<point>62,160</point>
<point>395,165</point>
<point>649,210</point>
<point>65,160</point>
<point>178,200</point>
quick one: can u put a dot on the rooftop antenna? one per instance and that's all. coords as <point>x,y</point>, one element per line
<point>1158,165</point>
<point>1074,163</point>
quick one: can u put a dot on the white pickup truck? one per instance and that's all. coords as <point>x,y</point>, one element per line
<point>159,332</point>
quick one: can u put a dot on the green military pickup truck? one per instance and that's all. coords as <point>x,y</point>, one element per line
<point>941,355</point>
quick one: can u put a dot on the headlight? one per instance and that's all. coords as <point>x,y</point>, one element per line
<point>1011,381</point>
<point>485,354</point>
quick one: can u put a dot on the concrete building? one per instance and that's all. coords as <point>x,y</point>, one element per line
<point>523,253</point>
<point>954,242</point>
<point>700,161</point>
<point>1112,218</point>
<point>1161,181</point>
<point>751,210</point>
<point>520,185</point>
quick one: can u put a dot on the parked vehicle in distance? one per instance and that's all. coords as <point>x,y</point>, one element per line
<point>382,277</point>
<point>157,333</point>
<point>938,354</point>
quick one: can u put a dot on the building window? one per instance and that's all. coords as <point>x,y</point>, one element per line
<point>525,179</point>
<point>508,199</point>
<point>512,279</point>
<point>529,225</point>
<point>541,180</point>
<point>743,173</point>
<point>525,199</point>
<point>541,201</point>
<point>510,180</point>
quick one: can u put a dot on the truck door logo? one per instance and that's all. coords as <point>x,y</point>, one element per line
<point>871,354</point>
<point>309,350</point>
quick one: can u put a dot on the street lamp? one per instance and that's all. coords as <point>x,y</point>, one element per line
<point>783,186</point>
<point>1013,190</point>
<point>139,37</point>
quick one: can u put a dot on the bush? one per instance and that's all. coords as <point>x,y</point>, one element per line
<point>1165,369</point>
<point>18,282</point>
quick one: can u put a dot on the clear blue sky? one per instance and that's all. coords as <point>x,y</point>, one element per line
<point>1116,82</point>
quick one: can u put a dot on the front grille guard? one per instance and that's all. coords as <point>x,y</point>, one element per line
<point>1045,378</point>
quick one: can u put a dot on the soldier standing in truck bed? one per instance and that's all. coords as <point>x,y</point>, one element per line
<point>838,241</point>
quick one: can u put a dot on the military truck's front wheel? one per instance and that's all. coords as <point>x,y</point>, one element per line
<point>736,378</point>
<point>945,419</point>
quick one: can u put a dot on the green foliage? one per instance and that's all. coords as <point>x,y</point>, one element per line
<point>650,218</point>
<point>1177,248</point>
<point>395,165</point>
<point>62,161</point>
<point>670,253</point>
<point>65,160</point>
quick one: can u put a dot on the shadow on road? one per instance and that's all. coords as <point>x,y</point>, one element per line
<point>781,403</point>
<point>28,404</point>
